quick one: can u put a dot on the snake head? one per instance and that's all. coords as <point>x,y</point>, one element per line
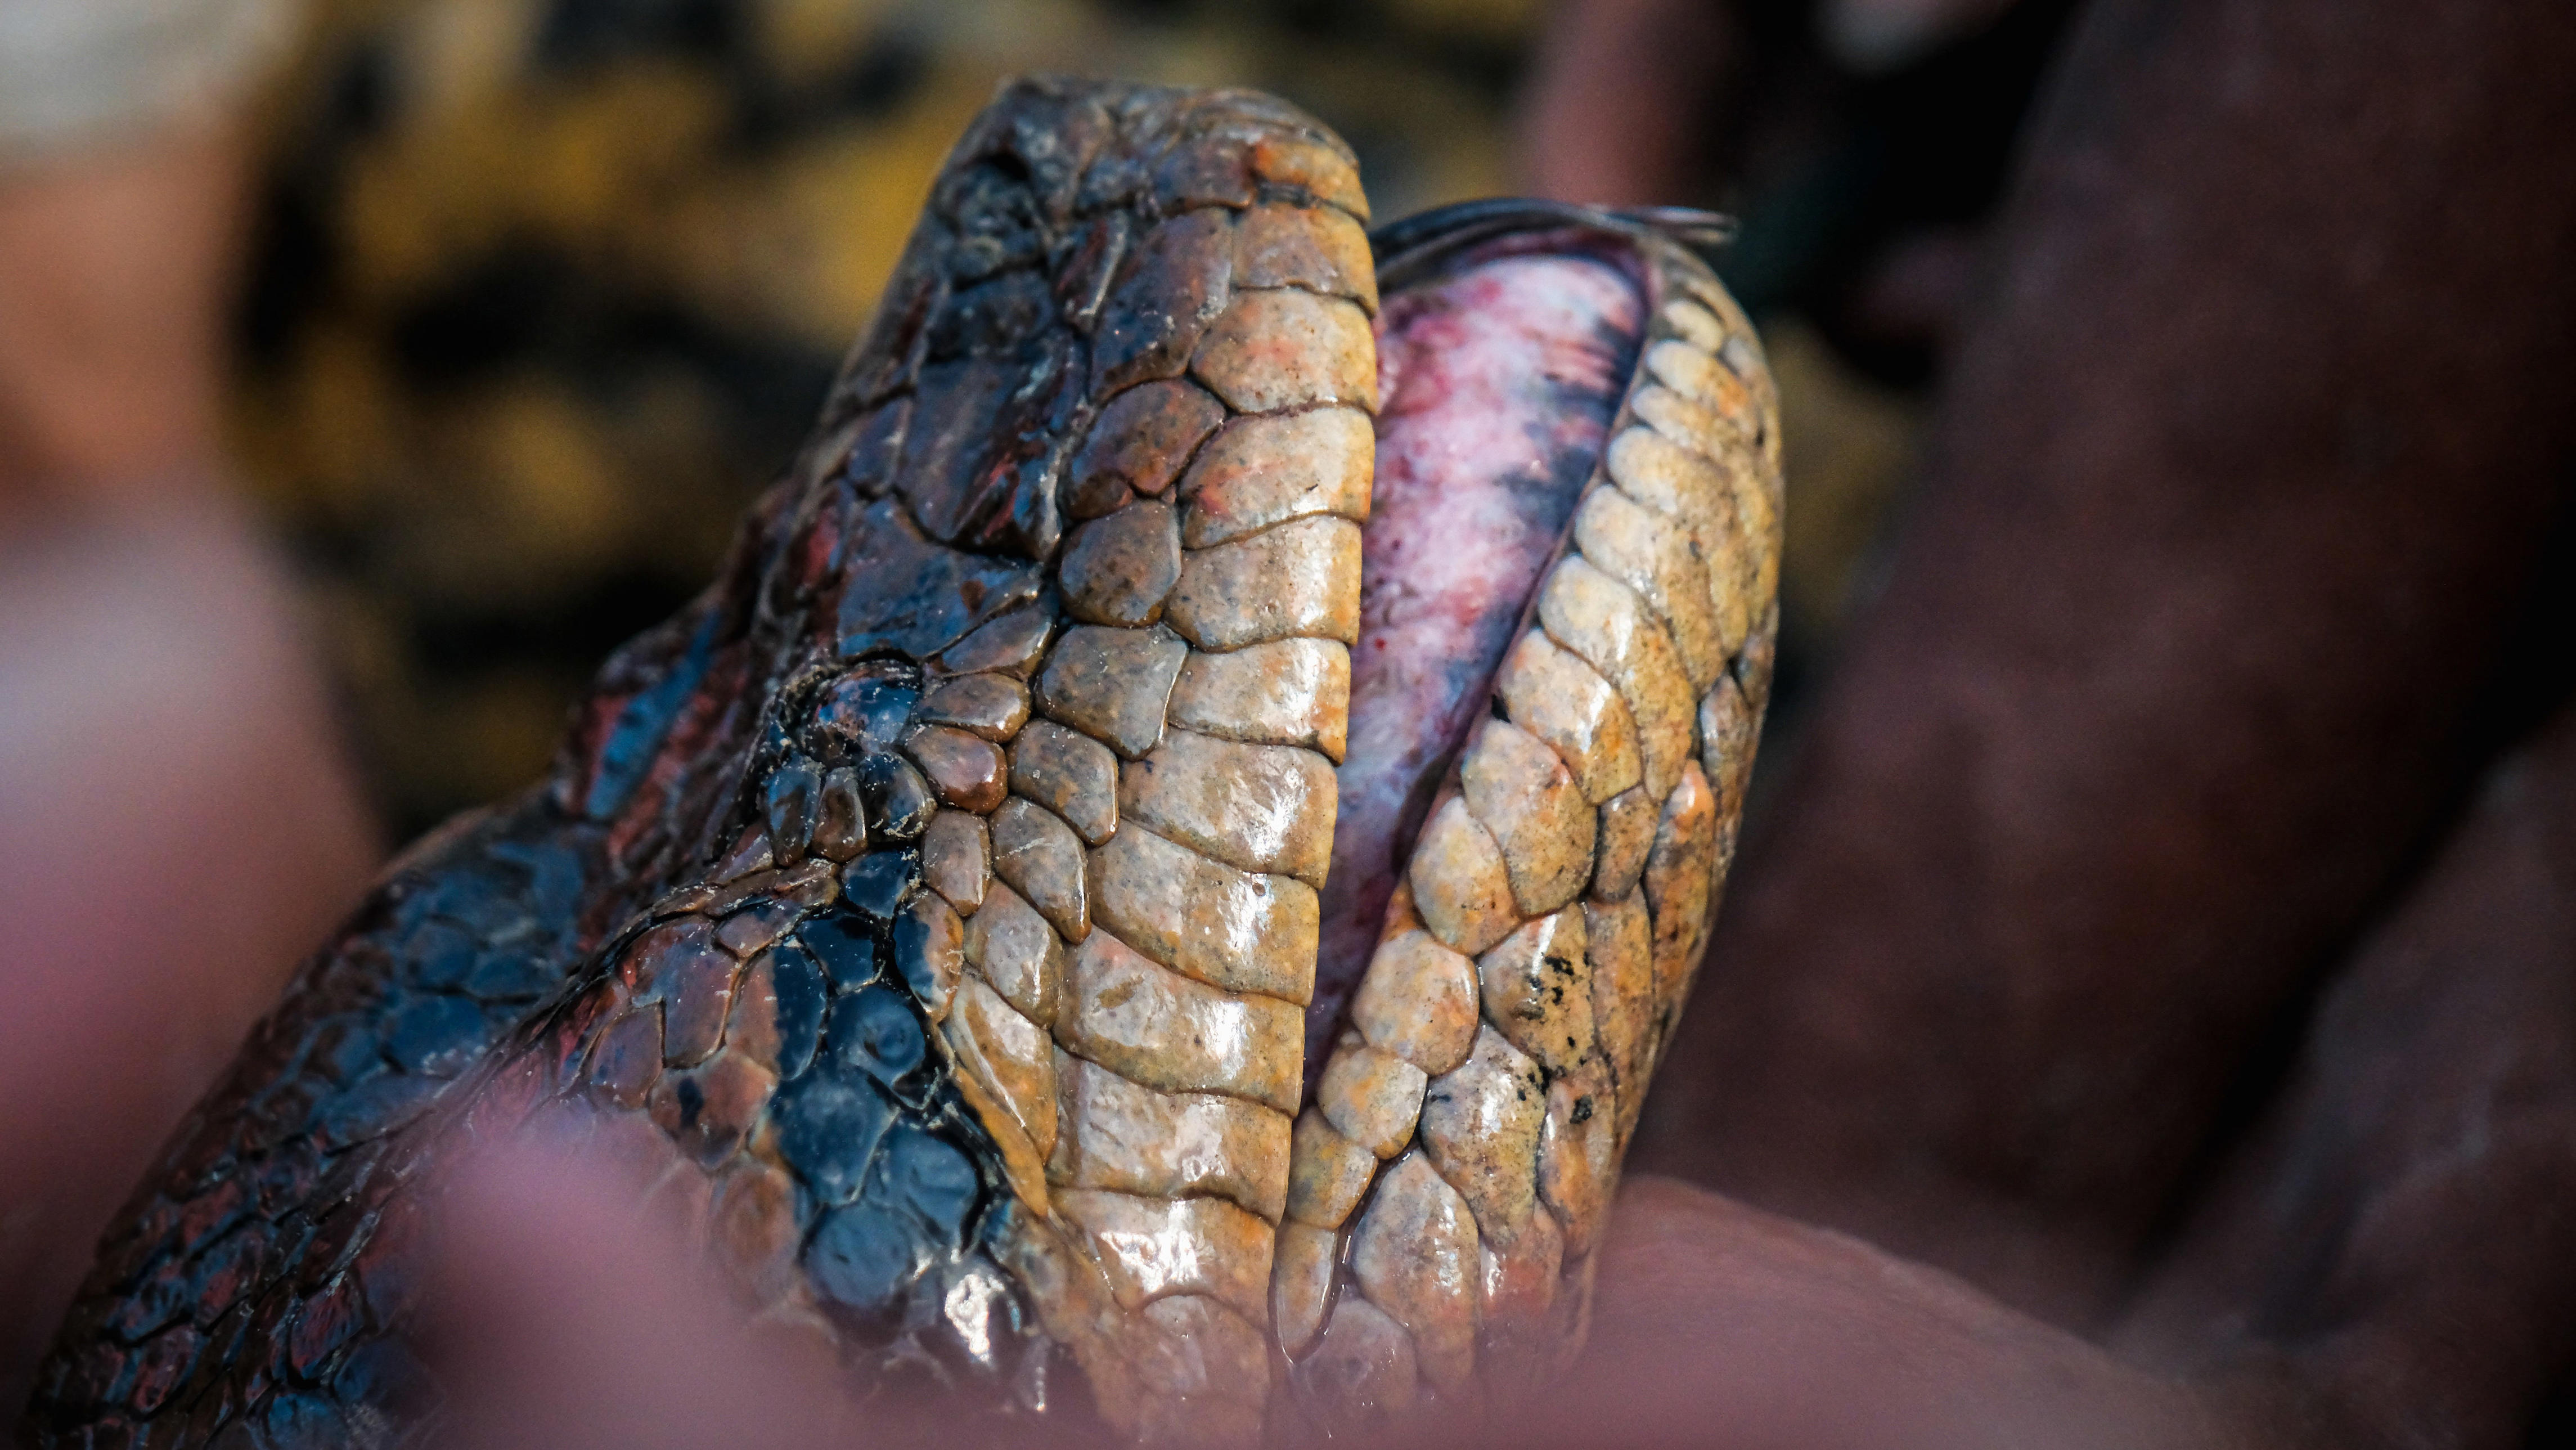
<point>1158,874</point>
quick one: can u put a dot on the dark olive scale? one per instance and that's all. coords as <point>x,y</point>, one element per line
<point>296,1418</point>
<point>919,606</point>
<point>439,962</point>
<point>912,956</point>
<point>450,956</point>
<point>154,1303</point>
<point>160,1367</point>
<point>876,1032</point>
<point>863,714</point>
<point>650,959</point>
<point>924,1217</point>
<point>930,1181</point>
<point>384,1372</point>
<point>1015,636</point>
<point>227,1269</point>
<point>214,1214</point>
<point>828,1125</point>
<point>994,221</point>
<point>860,1256</point>
<point>436,1036</point>
<point>845,944</point>
<point>500,982</point>
<point>888,1205</point>
<point>343,1049</point>
<point>993,315</point>
<point>911,1217</point>
<point>798,981</point>
<point>795,798</point>
<point>899,802</point>
<point>878,883</point>
<point>373,1108</point>
<point>840,822</point>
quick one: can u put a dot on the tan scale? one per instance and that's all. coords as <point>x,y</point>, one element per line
<point>1185,734</point>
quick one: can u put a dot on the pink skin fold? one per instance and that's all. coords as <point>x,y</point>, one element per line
<point>1499,380</point>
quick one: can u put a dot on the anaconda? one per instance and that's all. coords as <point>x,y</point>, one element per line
<point>1167,856</point>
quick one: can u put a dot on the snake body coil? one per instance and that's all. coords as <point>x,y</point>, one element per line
<point>1087,890</point>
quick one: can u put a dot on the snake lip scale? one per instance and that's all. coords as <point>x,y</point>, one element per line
<point>1153,883</point>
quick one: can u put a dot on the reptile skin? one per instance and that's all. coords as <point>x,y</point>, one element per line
<point>1070,914</point>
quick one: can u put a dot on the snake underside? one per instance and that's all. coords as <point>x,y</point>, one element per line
<point>1155,880</point>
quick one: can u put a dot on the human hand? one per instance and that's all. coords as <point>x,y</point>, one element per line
<point>179,822</point>
<point>115,272</point>
<point>563,1316</point>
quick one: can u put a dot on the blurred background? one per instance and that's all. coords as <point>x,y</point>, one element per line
<point>538,293</point>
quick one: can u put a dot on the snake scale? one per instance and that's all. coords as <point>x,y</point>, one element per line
<point>1166,857</point>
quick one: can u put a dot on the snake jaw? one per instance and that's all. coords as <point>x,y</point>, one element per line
<point>1559,809</point>
<point>933,911</point>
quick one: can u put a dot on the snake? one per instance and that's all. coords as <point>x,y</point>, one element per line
<point>1153,883</point>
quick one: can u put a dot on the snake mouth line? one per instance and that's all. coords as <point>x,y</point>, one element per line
<point>1500,375</point>
<point>1164,864</point>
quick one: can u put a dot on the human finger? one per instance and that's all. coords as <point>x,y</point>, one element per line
<point>2393,1240</point>
<point>1624,98</point>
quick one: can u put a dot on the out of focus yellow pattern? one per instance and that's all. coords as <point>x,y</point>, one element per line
<point>545,290</point>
